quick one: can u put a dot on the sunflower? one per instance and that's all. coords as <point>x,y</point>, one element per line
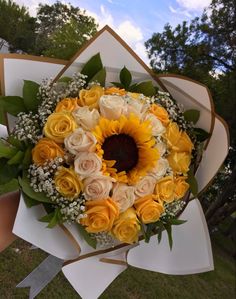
<point>126,147</point>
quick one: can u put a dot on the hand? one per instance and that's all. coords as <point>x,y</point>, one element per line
<point>8,207</point>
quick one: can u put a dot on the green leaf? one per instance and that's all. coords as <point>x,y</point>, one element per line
<point>27,189</point>
<point>169,234</point>
<point>7,151</point>
<point>132,87</point>
<point>100,77</point>
<point>3,120</point>
<point>145,88</point>
<point>47,218</point>
<point>92,67</point>
<point>91,242</point>
<point>53,218</point>
<point>13,104</point>
<point>192,115</point>
<point>7,172</point>
<point>201,134</point>
<point>159,235</point>
<point>64,79</point>
<point>28,156</point>
<point>149,231</point>
<point>174,221</point>
<point>125,77</point>
<point>17,159</point>
<point>15,142</point>
<point>30,91</point>
<point>191,180</point>
<point>30,202</point>
<point>10,186</point>
<point>118,84</point>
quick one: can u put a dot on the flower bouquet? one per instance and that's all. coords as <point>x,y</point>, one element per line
<point>107,163</point>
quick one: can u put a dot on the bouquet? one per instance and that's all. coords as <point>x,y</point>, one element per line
<point>112,163</point>
<point>118,160</point>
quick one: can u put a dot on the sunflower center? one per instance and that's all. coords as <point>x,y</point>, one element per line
<point>123,149</point>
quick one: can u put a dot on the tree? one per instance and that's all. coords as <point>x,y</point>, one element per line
<point>16,26</point>
<point>205,50</point>
<point>62,29</point>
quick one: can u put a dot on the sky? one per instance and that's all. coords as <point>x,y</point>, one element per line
<point>134,20</point>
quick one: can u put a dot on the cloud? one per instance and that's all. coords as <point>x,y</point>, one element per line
<point>180,11</point>
<point>129,32</point>
<point>32,5</point>
<point>141,51</point>
<point>194,5</point>
<point>103,17</point>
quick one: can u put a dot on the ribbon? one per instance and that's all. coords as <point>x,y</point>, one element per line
<point>42,275</point>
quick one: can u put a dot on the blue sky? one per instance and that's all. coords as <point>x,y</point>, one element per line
<point>133,20</point>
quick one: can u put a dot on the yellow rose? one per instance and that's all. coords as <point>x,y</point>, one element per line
<point>67,104</point>
<point>147,209</point>
<point>184,144</point>
<point>181,187</point>
<point>101,215</point>
<point>46,149</point>
<point>115,90</point>
<point>67,182</point>
<point>160,113</point>
<point>165,189</point>
<point>179,161</point>
<point>59,125</point>
<point>90,97</point>
<point>127,227</point>
<point>172,134</point>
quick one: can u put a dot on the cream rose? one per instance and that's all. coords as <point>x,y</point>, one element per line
<point>145,186</point>
<point>86,164</point>
<point>156,124</point>
<point>161,146</point>
<point>160,169</point>
<point>80,141</point>
<point>136,107</point>
<point>112,106</point>
<point>124,196</point>
<point>86,118</point>
<point>97,187</point>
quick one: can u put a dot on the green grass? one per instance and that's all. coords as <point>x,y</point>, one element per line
<point>132,283</point>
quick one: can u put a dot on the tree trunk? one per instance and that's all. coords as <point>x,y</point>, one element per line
<point>222,213</point>
<point>222,196</point>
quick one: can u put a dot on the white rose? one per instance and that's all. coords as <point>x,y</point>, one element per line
<point>136,107</point>
<point>86,118</point>
<point>86,164</point>
<point>157,126</point>
<point>112,106</point>
<point>124,196</point>
<point>161,146</point>
<point>80,141</point>
<point>97,187</point>
<point>160,169</point>
<point>145,186</point>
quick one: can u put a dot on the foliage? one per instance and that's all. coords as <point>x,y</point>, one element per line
<point>16,26</point>
<point>62,29</point>
<point>58,30</point>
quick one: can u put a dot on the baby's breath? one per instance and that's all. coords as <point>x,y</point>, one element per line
<point>42,180</point>
<point>28,127</point>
